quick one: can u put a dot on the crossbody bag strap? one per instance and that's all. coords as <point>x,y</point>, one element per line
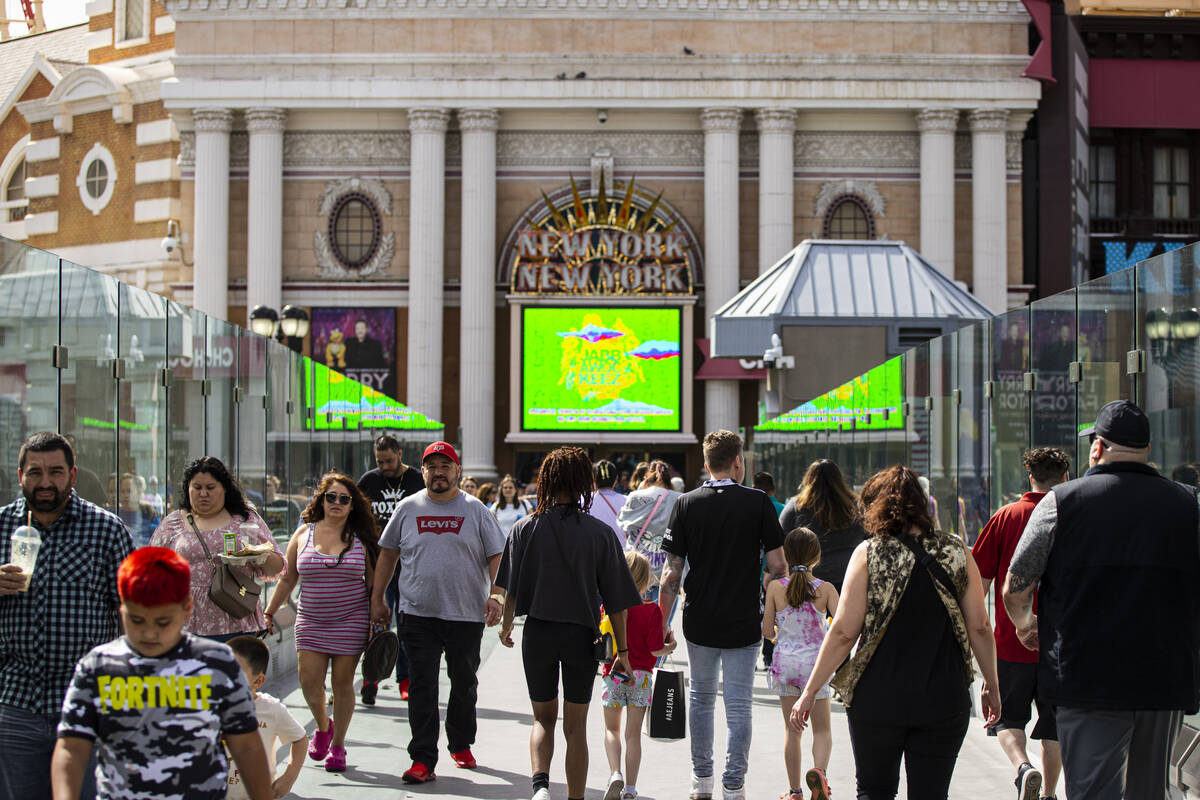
<point>653,511</point>
<point>607,503</point>
<point>931,565</point>
<point>207,554</point>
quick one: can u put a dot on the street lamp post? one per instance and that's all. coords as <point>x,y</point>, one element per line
<point>289,326</point>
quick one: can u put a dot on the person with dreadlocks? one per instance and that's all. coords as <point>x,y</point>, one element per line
<point>556,566</point>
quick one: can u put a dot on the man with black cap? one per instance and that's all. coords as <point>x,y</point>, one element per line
<point>448,545</point>
<point>1114,557</point>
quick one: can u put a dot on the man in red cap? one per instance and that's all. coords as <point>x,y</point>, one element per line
<point>448,546</point>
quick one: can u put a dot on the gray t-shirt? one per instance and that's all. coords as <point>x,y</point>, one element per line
<point>444,551</point>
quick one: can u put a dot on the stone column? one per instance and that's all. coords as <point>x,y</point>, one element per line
<point>776,184</point>
<point>477,362</point>
<point>210,279</point>
<point>989,202</point>
<point>721,253</point>
<point>264,249</point>
<point>426,235</point>
<point>937,126</point>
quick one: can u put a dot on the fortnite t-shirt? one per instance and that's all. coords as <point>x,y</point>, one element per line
<point>384,493</point>
<point>444,551</point>
<point>157,723</point>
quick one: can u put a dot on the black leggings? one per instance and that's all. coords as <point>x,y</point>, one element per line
<point>929,750</point>
<point>545,645</point>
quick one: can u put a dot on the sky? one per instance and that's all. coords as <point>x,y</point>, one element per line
<point>58,14</point>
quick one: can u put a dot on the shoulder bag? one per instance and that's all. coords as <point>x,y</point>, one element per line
<point>936,570</point>
<point>235,594</point>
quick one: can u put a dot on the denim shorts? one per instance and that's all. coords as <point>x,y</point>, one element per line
<point>634,693</point>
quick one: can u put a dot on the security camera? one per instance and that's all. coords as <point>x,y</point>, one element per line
<point>602,116</point>
<point>169,243</point>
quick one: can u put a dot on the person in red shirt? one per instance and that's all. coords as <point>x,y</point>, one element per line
<point>1017,666</point>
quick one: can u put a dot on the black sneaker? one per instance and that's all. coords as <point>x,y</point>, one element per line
<point>369,690</point>
<point>1029,782</point>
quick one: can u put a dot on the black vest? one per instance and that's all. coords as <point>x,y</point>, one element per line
<point>1119,602</point>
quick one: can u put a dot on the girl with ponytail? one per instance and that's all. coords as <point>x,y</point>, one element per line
<point>795,616</point>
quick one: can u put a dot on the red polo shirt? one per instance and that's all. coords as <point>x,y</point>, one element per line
<point>993,551</point>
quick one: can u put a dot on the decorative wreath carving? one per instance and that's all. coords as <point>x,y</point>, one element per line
<point>376,195</point>
<point>866,191</point>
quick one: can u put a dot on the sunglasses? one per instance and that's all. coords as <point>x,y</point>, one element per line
<point>337,499</point>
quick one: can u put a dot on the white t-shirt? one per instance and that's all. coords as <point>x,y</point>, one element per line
<point>444,551</point>
<point>275,722</point>
<point>606,505</point>
<point>508,516</point>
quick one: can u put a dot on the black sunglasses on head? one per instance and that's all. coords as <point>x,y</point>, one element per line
<point>337,499</point>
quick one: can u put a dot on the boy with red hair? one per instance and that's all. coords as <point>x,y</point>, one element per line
<point>158,701</point>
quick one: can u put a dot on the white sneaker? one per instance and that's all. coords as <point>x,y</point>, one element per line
<point>616,783</point>
<point>541,794</point>
<point>629,794</point>
<point>701,788</point>
<point>733,794</point>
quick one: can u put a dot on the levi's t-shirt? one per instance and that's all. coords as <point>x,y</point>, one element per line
<point>444,551</point>
<point>722,529</point>
<point>157,723</point>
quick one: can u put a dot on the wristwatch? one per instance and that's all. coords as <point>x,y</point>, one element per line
<point>499,598</point>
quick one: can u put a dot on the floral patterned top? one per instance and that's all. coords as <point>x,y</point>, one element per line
<point>207,617</point>
<point>889,565</point>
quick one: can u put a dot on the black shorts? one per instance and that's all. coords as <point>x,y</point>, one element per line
<point>1018,692</point>
<point>546,645</point>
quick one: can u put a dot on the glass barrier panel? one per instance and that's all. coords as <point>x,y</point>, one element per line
<point>251,413</point>
<point>1010,404</point>
<point>916,390</point>
<point>303,469</point>
<point>220,408</point>
<point>1106,325</point>
<point>142,427</point>
<point>87,388</point>
<point>974,427</point>
<point>943,434</point>
<point>894,447</point>
<point>281,509</point>
<point>1053,338</point>
<point>186,336</point>
<point>29,300</point>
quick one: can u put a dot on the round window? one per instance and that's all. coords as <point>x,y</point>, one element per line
<point>97,179</point>
<point>354,230</point>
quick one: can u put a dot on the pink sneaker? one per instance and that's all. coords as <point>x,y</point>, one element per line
<point>318,748</point>
<point>337,759</point>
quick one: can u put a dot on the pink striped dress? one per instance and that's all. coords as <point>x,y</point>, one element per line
<point>333,616</point>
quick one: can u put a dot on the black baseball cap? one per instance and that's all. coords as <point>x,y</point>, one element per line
<point>1121,422</point>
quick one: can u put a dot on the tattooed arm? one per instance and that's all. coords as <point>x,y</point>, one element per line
<point>669,590</point>
<point>1028,564</point>
<point>776,565</point>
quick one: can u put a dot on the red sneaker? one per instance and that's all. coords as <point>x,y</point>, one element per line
<point>418,773</point>
<point>464,759</point>
<point>818,783</point>
<point>404,689</point>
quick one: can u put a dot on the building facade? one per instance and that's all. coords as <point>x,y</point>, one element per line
<point>388,157</point>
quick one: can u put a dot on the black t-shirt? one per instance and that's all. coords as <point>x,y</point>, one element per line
<point>722,529</point>
<point>385,493</point>
<point>556,563</point>
<point>836,546</point>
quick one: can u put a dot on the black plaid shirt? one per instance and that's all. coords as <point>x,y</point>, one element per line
<point>71,607</point>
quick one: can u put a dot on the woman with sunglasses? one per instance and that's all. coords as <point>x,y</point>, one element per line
<point>333,552</point>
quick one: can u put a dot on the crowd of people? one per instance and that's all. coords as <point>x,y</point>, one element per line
<point>135,668</point>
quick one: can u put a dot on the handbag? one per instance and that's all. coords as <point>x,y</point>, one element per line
<point>667,718</point>
<point>230,591</point>
<point>379,657</point>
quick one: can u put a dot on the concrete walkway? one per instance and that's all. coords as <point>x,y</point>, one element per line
<point>379,735</point>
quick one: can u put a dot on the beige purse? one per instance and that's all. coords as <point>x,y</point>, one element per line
<point>233,593</point>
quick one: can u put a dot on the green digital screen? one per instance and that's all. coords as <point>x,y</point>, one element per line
<point>869,402</point>
<point>339,402</point>
<point>601,369</point>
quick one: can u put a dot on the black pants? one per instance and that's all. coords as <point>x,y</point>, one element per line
<point>425,640</point>
<point>929,751</point>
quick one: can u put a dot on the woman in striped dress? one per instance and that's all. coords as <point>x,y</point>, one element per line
<point>333,553</point>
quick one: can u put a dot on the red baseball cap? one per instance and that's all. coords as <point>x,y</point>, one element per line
<point>441,449</point>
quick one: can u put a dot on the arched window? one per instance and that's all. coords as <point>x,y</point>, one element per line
<point>355,229</point>
<point>849,218</point>
<point>16,206</point>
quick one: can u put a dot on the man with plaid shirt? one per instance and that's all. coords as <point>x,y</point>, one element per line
<point>70,607</point>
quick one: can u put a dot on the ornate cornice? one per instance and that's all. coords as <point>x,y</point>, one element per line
<point>212,120</point>
<point>628,148</point>
<point>866,191</point>
<point>988,119</point>
<point>776,120</point>
<point>265,120</point>
<point>937,119</point>
<point>721,120</point>
<point>478,119</point>
<point>428,120</point>
<point>851,149</point>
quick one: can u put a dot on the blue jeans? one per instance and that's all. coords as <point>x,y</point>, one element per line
<point>737,689</point>
<point>27,741</point>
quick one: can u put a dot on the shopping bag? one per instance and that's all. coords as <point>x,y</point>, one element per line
<point>667,719</point>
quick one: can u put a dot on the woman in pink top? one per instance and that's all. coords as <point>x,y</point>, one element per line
<point>211,505</point>
<point>333,552</point>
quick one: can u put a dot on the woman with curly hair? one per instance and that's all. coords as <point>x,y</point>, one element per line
<point>913,601</point>
<point>334,550</point>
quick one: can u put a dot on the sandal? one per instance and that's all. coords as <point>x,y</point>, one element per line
<point>318,748</point>
<point>337,759</point>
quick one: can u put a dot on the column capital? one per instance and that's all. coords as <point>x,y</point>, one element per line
<point>428,120</point>
<point>212,120</point>
<point>478,119</point>
<point>988,119</point>
<point>721,120</point>
<point>937,119</point>
<point>776,119</point>
<point>265,120</point>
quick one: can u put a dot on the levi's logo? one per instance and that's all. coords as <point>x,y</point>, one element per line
<point>440,525</point>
